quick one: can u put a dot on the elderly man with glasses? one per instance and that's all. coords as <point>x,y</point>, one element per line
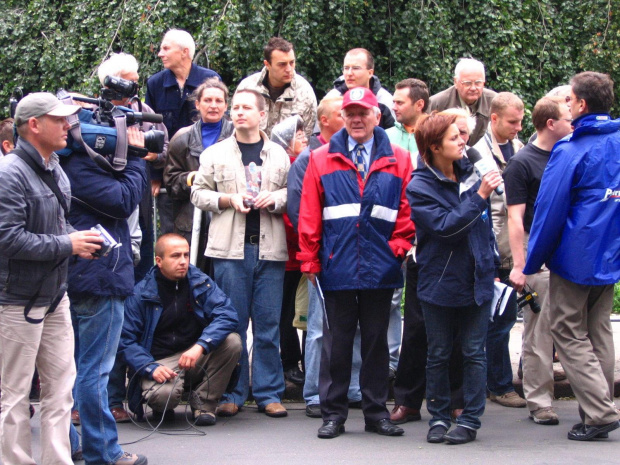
<point>469,92</point>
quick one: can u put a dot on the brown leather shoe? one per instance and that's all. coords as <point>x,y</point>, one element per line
<point>120,415</point>
<point>275,410</point>
<point>229,409</point>
<point>75,417</point>
<point>401,414</point>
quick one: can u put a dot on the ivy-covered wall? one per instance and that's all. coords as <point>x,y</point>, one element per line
<point>528,46</point>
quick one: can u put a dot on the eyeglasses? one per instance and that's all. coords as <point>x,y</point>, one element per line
<point>570,120</point>
<point>468,84</point>
<point>355,69</point>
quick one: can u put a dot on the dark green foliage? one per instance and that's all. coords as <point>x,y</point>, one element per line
<point>528,46</point>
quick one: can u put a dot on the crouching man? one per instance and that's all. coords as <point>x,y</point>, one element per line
<point>179,323</point>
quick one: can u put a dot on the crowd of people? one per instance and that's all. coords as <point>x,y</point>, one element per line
<point>288,214</point>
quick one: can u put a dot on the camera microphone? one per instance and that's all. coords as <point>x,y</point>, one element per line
<point>148,117</point>
<point>483,166</point>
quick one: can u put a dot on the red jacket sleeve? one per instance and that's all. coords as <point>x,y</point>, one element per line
<point>311,219</point>
<point>404,229</point>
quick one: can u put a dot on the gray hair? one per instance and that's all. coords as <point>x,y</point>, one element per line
<point>559,91</point>
<point>117,64</point>
<point>183,39</point>
<point>468,63</point>
<point>462,113</point>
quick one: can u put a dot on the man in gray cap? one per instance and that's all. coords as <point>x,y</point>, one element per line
<point>35,242</point>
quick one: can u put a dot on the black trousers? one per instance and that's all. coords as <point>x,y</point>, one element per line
<point>344,310</point>
<point>410,382</point>
<point>290,351</point>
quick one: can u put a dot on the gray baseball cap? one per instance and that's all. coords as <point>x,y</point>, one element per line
<point>39,104</point>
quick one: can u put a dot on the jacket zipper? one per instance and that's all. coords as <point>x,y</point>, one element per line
<point>445,267</point>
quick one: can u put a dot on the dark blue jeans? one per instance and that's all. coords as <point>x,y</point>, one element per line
<point>499,366</point>
<point>255,289</point>
<point>441,323</point>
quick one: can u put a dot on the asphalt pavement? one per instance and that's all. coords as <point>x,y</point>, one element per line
<point>507,437</point>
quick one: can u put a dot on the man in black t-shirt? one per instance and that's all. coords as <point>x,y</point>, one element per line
<point>522,176</point>
<point>242,181</point>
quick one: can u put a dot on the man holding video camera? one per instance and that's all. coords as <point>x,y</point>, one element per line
<point>98,288</point>
<point>522,176</point>
<point>36,241</point>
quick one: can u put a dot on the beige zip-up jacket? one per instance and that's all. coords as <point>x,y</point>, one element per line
<point>488,147</point>
<point>222,172</point>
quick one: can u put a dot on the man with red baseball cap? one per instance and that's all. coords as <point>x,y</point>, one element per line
<point>354,231</point>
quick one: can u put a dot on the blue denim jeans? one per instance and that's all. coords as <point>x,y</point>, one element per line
<point>441,323</point>
<point>74,439</point>
<point>117,390</point>
<point>314,343</point>
<point>99,322</point>
<point>499,366</point>
<point>255,289</point>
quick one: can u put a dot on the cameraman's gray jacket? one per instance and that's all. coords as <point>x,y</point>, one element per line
<point>33,230</point>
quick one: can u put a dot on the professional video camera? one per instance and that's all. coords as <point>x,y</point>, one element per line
<point>101,132</point>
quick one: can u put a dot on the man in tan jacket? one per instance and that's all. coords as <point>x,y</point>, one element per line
<point>500,143</point>
<point>242,181</point>
<point>285,92</point>
<point>468,92</point>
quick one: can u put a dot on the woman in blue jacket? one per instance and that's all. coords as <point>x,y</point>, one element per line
<point>456,256</point>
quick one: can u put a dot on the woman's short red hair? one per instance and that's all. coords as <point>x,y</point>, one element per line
<point>430,130</point>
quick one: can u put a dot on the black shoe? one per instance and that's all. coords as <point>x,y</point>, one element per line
<point>294,375</point>
<point>598,436</point>
<point>331,429</point>
<point>357,404</point>
<point>436,434</point>
<point>204,418</point>
<point>384,427</point>
<point>460,435</point>
<point>313,410</point>
<point>589,432</point>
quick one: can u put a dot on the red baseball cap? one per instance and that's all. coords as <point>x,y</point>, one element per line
<point>361,96</point>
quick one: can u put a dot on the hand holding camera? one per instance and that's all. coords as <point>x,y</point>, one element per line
<point>528,297</point>
<point>85,243</point>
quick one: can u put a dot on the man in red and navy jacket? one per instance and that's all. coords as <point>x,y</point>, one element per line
<point>354,232</point>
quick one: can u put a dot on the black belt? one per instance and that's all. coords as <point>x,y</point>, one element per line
<point>252,239</point>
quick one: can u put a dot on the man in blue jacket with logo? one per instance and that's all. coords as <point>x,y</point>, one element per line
<point>576,233</point>
<point>179,323</point>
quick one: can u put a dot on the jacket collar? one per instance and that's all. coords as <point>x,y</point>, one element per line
<point>196,134</point>
<point>482,105</point>
<point>33,153</point>
<point>491,141</point>
<point>150,291</point>
<point>382,148</point>
<point>341,86</point>
<point>193,79</point>
<point>264,75</point>
<point>462,167</point>
<point>594,123</point>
